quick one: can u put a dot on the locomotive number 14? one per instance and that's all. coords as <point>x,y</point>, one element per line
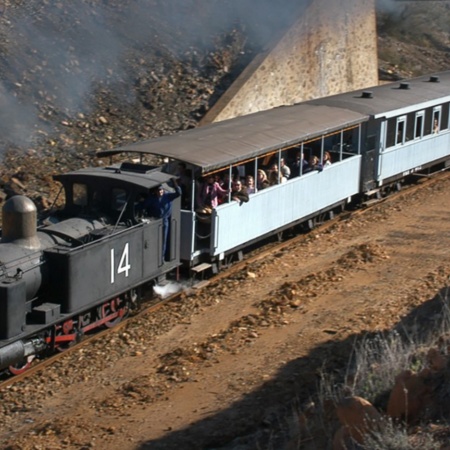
<point>124,263</point>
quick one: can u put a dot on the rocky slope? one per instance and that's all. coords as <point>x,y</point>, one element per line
<point>89,74</point>
<point>92,74</point>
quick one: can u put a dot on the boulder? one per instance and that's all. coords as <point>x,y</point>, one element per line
<point>409,397</point>
<point>436,360</point>
<point>359,417</point>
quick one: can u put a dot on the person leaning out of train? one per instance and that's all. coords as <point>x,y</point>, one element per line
<point>238,193</point>
<point>326,159</point>
<point>159,206</point>
<point>261,180</point>
<point>314,164</point>
<point>208,194</point>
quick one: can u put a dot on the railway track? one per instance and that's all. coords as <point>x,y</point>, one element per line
<point>148,307</point>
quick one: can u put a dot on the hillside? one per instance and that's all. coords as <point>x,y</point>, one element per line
<point>86,75</point>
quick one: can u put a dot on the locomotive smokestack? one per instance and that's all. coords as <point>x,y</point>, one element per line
<point>19,222</point>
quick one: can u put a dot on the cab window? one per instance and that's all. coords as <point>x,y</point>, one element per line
<point>118,199</point>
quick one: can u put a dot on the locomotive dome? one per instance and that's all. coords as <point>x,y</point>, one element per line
<point>19,215</point>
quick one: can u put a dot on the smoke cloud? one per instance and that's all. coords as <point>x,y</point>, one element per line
<point>56,55</point>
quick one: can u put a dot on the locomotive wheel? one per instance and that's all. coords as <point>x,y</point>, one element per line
<point>116,305</point>
<point>66,329</point>
<point>21,367</point>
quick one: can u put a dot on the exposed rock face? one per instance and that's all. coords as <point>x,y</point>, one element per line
<point>322,54</point>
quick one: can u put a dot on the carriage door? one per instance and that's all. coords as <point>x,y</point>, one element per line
<point>369,158</point>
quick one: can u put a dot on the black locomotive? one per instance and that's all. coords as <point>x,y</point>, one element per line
<point>81,268</point>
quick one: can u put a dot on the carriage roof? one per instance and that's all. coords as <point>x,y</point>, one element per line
<point>217,145</point>
<point>220,144</point>
<point>394,99</point>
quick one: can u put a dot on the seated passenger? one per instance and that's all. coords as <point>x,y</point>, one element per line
<point>284,168</point>
<point>261,181</point>
<point>250,184</point>
<point>299,166</point>
<point>435,126</point>
<point>238,193</point>
<point>208,194</point>
<point>314,164</point>
<point>275,177</point>
<point>326,159</point>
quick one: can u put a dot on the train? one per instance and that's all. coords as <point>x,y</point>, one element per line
<point>81,267</point>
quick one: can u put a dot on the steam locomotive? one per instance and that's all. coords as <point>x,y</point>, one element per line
<point>82,267</point>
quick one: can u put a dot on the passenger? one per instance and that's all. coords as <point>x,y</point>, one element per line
<point>285,170</point>
<point>159,205</point>
<point>436,126</point>
<point>250,184</point>
<point>275,177</point>
<point>326,159</point>
<point>226,184</point>
<point>208,195</point>
<point>299,166</point>
<point>261,181</point>
<point>314,164</point>
<point>218,179</point>
<point>238,193</point>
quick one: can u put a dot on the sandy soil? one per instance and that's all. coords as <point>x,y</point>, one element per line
<point>232,355</point>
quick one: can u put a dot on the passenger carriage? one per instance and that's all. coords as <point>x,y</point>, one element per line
<point>245,144</point>
<point>375,137</point>
<point>408,130</point>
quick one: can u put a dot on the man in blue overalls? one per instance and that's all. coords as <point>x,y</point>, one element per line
<point>159,205</point>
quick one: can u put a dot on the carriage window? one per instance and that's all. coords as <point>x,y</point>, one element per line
<point>444,117</point>
<point>79,194</point>
<point>391,132</point>
<point>436,124</point>
<point>410,127</point>
<point>401,130</point>
<point>418,129</point>
<point>118,199</point>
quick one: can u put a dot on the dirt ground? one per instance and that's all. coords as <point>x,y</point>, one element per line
<point>229,360</point>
